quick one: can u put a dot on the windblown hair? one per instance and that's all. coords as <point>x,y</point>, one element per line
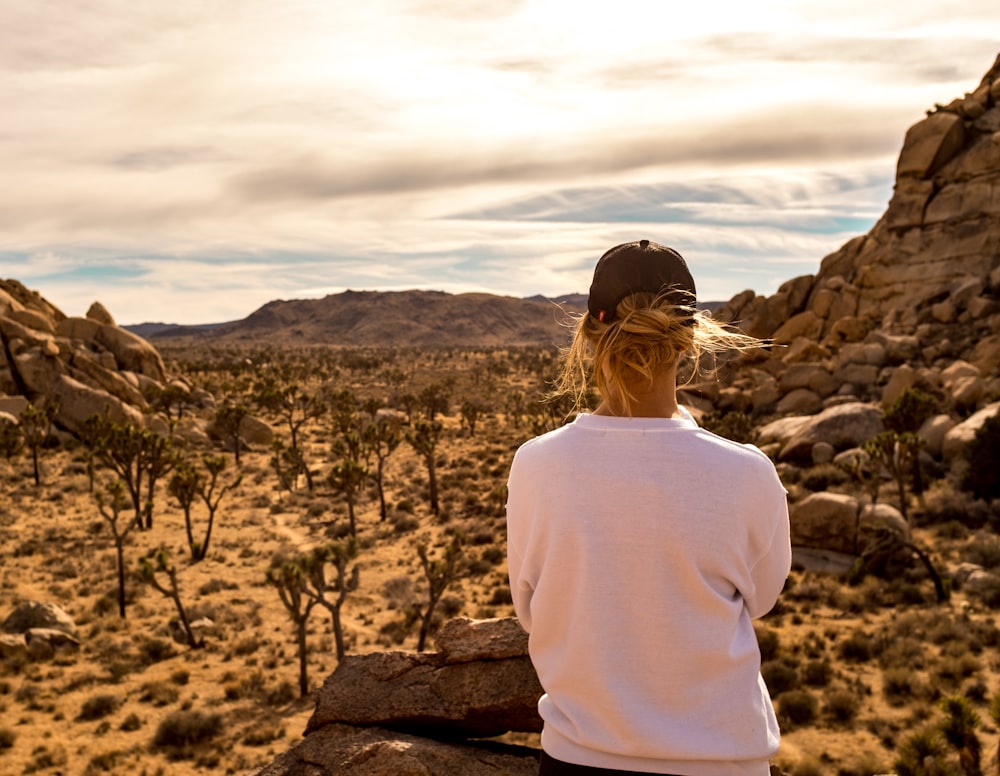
<point>650,334</point>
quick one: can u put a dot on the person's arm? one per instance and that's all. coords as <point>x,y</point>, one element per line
<point>517,524</point>
<point>774,560</point>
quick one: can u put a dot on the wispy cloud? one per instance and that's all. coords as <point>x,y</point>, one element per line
<point>190,161</point>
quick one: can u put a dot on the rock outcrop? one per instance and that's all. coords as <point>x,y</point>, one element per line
<point>402,712</point>
<point>82,366</point>
<point>898,306</point>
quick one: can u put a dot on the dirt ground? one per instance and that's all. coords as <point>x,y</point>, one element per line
<point>855,669</point>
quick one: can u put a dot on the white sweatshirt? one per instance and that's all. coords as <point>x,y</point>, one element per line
<point>639,549</point>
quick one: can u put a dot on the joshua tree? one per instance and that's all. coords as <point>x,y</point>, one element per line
<point>185,486</point>
<point>434,399</point>
<point>424,438</point>
<point>348,476</point>
<point>382,438</point>
<point>36,425</point>
<point>291,581</point>
<point>471,412</point>
<point>160,562</point>
<point>337,555</point>
<point>959,730</point>
<point>211,489</point>
<point>440,573</point>
<point>229,418</point>
<point>110,504</point>
<point>161,456</point>
<point>296,409</point>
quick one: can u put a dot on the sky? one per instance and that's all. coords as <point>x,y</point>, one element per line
<point>190,161</point>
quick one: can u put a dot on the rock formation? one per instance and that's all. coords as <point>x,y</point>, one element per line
<point>404,712</point>
<point>82,366</point>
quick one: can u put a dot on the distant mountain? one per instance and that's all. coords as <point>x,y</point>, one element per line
<point>393,318</point>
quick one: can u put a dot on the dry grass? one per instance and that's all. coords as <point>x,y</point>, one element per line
<point>853,670</point>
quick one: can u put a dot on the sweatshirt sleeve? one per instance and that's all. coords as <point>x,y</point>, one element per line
<point>773,550</point>
<point>517,526</point>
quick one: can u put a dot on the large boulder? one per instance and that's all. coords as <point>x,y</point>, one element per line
<point>346,750</point>
<point>959,436</point>
<point>76,402</point>
<point>843,426</point>
<point>422,693</point>
<point>840,523</point>
<point>29,615</point>
<point>131,352</point>
<point>391,713</point>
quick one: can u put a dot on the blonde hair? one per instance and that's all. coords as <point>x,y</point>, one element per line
<point>649,335</point>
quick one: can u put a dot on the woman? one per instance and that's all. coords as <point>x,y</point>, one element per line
<point>640,546</point>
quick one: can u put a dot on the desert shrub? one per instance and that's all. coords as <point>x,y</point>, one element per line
<point>983,550</point>
<point>944,506</point>
<point>501,596</point>
<point>180,732</point>
<point>817,673</point>
<point>98,707</point>
<point>903,652</point>
<point>953,669</point>
<point>284,692</point>
<point>42,758</point>
<point>737,426</point>
<point>859,647</point>
<point>779,676</point>
<point>403,522</point>
<point>768,641</point>
<point>217,585</point>
<point>841,705</point>
<point>405,505</point>
<point>131,723</point>
<point>247,645</point>
<point>180,677</point>
<point>154,650</point>
<point>264,732</point>
<point>823,477</point>
<point>900,686</point>
<point>158,693</point>
<point>105,762</point>
<point>493,555</point>
<point>917,750</point>
<point>797,708</point>
<point>7,737</point>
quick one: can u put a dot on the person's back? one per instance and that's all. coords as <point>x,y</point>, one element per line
<point>639,548</point>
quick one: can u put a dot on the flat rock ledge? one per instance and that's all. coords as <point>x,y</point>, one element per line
<point>400,713</point>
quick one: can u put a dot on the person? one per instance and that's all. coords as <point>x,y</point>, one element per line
<point>640,546</point>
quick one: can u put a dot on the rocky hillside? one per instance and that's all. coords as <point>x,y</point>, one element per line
<point>394,319</point>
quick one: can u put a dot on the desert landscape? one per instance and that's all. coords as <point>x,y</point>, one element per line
<point>303,454</point>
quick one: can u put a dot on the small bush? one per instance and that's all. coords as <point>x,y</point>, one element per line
<point>159,693</point>
<point>180,732</point>
<point>7,738</point>
<point>779,676</point>
<point>131,723</point>
<point>768,641</point>
<point>797,708</point>
<point>817,673</point>
<point>900,685</point>
<point>98,707</point>
<point>859,647</point>
<point>841,705</point>
<point>823,477</point>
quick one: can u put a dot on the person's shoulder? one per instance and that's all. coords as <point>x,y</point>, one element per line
<point>737,450</point>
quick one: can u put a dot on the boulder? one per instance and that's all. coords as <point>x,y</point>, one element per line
<point>839,523</point>
<point>99,314</point>
<point>426,694</point>
<point>345,750</point>
<point>844,425</point>
<point>77,402</point>
<point>929,145</point>
<point>131,352</point>
<point>958,437</point>
<point>933,431</point>
<point>463,639</point>
<point>29,615</point>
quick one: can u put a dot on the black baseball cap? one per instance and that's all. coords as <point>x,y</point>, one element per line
<point>639,266</point>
